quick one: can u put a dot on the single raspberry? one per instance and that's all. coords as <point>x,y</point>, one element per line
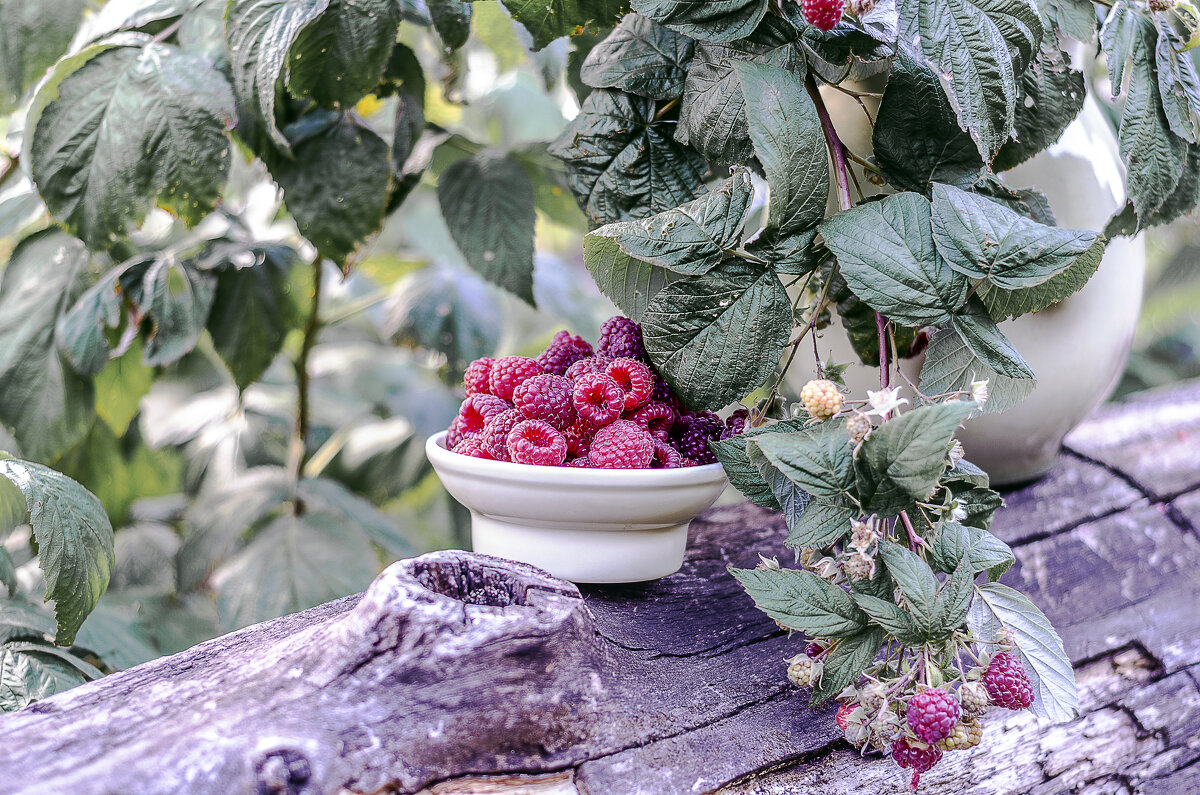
<point>536,442</point>
<point>598,398</point>
<point>663,394</point>
<point>1006,682</point>
<point>656,419</point>
<point>920,759</point>
<point>858,425</point>
<point>814,650</point>
<point>843,713</point>
<point>477,409</point>
<point>635,378</point>
<point>582,462</point>
<point>621,337</point>
<point>697,431</point>
<point>804,672</point>
<point>475,379</point>
<point>823,14</point>
<point>621,445</point>
<point>579,437</point>
<point>547,397</point>
<point>562,352</point>
<point>495,433</point>
<point>457,433</point>
<point>973,698</point>
<point>472,446</point>
<point>735,424</point>
<point>509,372</point>
<point>821,398</point>
<point>707,420</point>
<point>966,734</point>
<point>932,714</point>
<point>666,456</point>
<point>592,364</point>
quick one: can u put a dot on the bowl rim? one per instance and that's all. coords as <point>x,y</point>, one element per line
<point>438,453</point>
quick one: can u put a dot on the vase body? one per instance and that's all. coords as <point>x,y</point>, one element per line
<point>1079,347</point>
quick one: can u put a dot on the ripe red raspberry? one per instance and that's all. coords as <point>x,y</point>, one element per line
<point>456,433</point>
<point>1006,682</point>
<point>562,352</point>
<point>735,424</point>
<point>475,379</point>
<point>581,462</point>
<point>932,715</point>
<point>592,364</point>
<point>495,433</point>
<point>823,14</point>
<point>621,445</point>
<point>843,713</point>
<point>656,419</point>
<point>473,447</point>
<point>536,442</point>
<point>547,397</point>
<point>666,456</point>
<point>579,437</point>
<point>509,372</point>
<point>598,398</point>
<point>477,409</point>
<point>919,759</point>
<point>621,337</point>
<point>635,378</point>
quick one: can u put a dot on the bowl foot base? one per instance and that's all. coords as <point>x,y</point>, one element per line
<point>585,556</point>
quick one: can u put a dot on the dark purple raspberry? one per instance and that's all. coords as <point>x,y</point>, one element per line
<point>598,399</point>
<point>1006,682</point>
<point>495,433</point>
<point>919,759</point>
<point>475,380</point>
<point>656,418</point>
<point>735,424</point>
<point>509,372</point>
<point>666,456</point>
<point>693,442</point>
<point>547,397</point>
<point>536,442</point>
<point>473,447</point>
<point>592,364</point>
<point>814,650</point>
<point>477,409</point>
<point>562,352</point>
<point>635,378</point>
<point>932,715</point>
<point>621,337</point>
<point>621,445</point>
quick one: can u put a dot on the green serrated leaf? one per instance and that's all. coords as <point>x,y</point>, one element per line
<point>896,621</point>
<point>980,549</point>
<point>1185,196</point>
<point>790,145</point>
<point>444,310</point>
<point>630,283</point>
<point>1039,646</point>
<point>902,460</point>
<point>792,500</point>
<point>547,20</point>
<point>717,338</point>
<point>955,598</point>
<point>47,406</point>
<point>642,57</point>
<point>791,255</point>
<point>820,525</point>
<point>966,472</point>
<point>715,20</point>
<point>120,387</point>
<point>487,201</point>
<point>1076,18</point>
<point>1050,96</point>
<point>124,125</point>
<point>622,163</point>
<point>916,581</point>
<point>176,299</point>
<point>985,340</point>
<point>886,253</point>
<point>452,20</point>
<point>26,678</point>
<point>74,538</point>
<point>21,620</point>
<point>1029,202</point>
<point>339,56</point>
<point>951,366</point>
<point>743,474</point>
<point>847,660</point>
<point>916,138</point>
<point>802,601</point>
<point>32,38</point>
<point>1003,304</point>
<point>692,238</point>
<point>1178,81</point>
<point>816,459</point>
<point>980,505</point>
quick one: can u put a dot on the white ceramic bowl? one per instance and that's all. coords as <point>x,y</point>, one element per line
<point>583,525</point>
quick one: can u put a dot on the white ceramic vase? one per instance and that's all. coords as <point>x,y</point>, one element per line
<point>1078,348</point>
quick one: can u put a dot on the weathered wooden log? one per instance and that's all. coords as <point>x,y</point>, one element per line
<point>456,673</point>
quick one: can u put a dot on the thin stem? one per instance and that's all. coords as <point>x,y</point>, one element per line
<point>299,454</point>
<point>836,149</point>
<point>665,109</point>
<point>169,30</point>
<point>914,540</point>
<point>885,368</point>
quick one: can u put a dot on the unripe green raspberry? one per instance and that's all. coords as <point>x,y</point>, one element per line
<point>965,734</point>
<point>886,729</point>
<point>821,398</point>
<point>804,671</point>
<point>973,698</point>
<point>858,425</point>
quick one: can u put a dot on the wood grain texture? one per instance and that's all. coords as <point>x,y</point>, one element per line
<point>456,673</point>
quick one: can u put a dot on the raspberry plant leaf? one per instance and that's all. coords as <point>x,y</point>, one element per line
<point>818,460</point>
<point>1003,304</point>
<point>903,459</point>
<point>176,298</point>
<point>791,255</point>
<point>641,57</point>
<point>715,336</point>
<point>952,366</point>
<point>954,599</point>
<point>692,238</point>
<point>338,57</point>
<point>452,20</point>
<point>487,201</point>
<point>1050,97</point>
<point>788,141</point>
<point>802,601</point>
<point>846,661</point>
<point>547,20</point>
<point>715,20</point>
<point>820,524</point>
<point>1039,646</point>
<point>893,619</point>
<point>985,240</point>
<point>32,38</point>
<point>744,474</point>
<point>1076,18</point>
<point>74,539</point>
<point>1029,202</point>
<point>630,283</point>
<point>622,163</point>
<point>793,501</point>
<point>29,673</point>
<point>1178,81</point>
<point>985,340</point>
<point>886,253</point>
<point>916,582</point>
<point>126,124</point>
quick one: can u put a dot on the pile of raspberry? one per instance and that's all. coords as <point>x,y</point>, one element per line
<point>572,405</point>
